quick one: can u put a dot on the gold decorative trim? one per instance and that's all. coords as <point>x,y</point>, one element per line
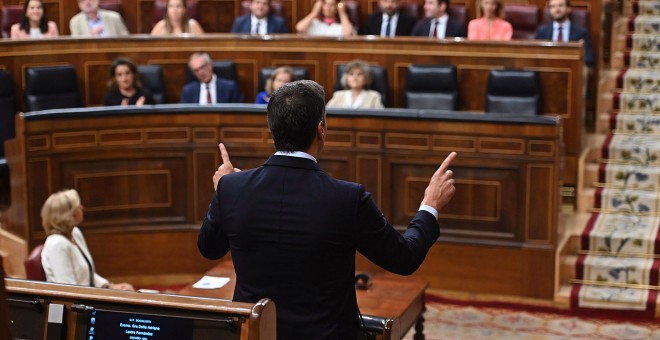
<point>614,284</point>
<point>602,253</point>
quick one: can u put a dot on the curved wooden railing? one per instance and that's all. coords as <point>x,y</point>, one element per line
<point>144,175</point>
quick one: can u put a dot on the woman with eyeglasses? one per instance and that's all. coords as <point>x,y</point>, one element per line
<point>356,94</point>
<point>65,256</point>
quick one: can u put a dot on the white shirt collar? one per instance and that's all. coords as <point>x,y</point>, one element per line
<point>299,154</point>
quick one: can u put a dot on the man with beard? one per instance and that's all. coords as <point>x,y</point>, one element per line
<point>561,29</point>
<point>389,21</point>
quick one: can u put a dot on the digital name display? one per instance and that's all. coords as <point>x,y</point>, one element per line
<point>110,325</point>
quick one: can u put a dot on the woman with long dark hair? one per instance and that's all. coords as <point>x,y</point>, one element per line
<point>177,20</point>
<point>34,23</point>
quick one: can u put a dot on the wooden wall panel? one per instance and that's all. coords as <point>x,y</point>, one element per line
<point>145,177</point>
<point>560,66</point>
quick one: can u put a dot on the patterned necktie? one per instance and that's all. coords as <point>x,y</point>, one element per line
<point>434,29</point>
<point>209,99</point>
<point>560,34</point>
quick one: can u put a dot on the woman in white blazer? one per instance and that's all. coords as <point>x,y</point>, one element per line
<point>65,256</point>
<point>356,95</point>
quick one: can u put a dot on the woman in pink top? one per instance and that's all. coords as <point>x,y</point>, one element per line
<point>34,23</point>
<point>491,26</point>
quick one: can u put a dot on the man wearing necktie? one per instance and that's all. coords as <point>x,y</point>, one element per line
<point>437,23</point>
<point>260,21</point>
<point>208,88</point>
<point>562,29</point>
<point>389,21</point>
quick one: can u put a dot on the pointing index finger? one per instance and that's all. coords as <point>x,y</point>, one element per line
<point>224,154</point>
<point>445,164</point>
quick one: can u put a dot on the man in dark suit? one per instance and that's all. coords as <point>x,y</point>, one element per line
<point>293,230</point>
<point>561,29</point>
<point>437,23</point>
<point>260,21</point>
<point>389,21</point>
<point>208,88</point>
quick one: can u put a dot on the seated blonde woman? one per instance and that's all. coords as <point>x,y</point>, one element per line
<point>65,256</point>
<point>491,26</point>
<point>356,82</point>
<point>279,77</point>
<point>327,18</point>
<point>177,20</point>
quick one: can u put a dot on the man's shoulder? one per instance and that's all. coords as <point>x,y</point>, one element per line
<point>79,16</point>
<point>374,16</point>
<point>544,28</point>
<point>106,13</point>
<point>403,17</point>
<point>226,82</point>
<point>423,21</point>
<point>243,18</point>
<point>275,18</point>
<point>191,85</point>
<point>577,29</point>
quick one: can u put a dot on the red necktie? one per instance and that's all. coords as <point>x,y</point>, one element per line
<point>209,99</point>
<point>560,34</point>
<point>434,29</point>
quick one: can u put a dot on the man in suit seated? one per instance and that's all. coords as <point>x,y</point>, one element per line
<point>389,21</point>
<point>260,21</point>
<point>293,229</point>
<point>208,88</point>
<point>95,22</point>
<point>561,29</point>
<point>437,23</point>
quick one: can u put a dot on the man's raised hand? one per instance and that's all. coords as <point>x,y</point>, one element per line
<point>225,168</point>
<point>441,187</point>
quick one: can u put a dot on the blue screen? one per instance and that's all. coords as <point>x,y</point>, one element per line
<point>111,325</point>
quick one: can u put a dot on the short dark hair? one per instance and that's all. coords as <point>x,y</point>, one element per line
<point>294,111</point>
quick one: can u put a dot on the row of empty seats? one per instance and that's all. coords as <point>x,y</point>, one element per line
<point>525,18</point>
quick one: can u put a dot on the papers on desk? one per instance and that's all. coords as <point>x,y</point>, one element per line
<point>211,282</point>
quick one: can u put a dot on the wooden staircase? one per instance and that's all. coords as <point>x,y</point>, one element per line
<point>573,222</point>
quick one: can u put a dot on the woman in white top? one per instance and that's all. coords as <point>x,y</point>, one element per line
<point>34,23</point>
<point>177,20</point>
<point>327,18</point>
<point>65,257</point>
<point>356,81</point>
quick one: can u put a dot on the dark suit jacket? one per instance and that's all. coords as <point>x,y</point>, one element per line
<point>454,29</point>
<point>293,231</point>
<point>226,92</point>
<point>243,24</point>
<point>576,33</point>
<point>404,24</point>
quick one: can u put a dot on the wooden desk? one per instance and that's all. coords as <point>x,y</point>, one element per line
<point>390,296</point>
<point>155,163</point>
<point>560,67</point>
